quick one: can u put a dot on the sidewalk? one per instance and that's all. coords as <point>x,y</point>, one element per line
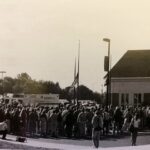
<point>37,144</point>
<point>34,144</point>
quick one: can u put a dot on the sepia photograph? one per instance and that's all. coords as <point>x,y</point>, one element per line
<point>74,74</point>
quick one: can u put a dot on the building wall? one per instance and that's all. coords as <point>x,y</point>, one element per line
<point>130,87</point>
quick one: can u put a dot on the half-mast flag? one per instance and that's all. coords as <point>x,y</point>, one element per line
<point>75,76</point>
<point>75,80</point>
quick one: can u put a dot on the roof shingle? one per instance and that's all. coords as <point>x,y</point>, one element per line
<point>134,63</point>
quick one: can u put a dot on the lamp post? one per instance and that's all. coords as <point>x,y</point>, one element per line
<point>2,72</point>
<point>108,80</point>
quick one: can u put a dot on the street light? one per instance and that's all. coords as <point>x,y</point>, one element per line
<point>108,80</point>
<point>2,72</point>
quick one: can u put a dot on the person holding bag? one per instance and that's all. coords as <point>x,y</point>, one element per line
<point>133,128</point>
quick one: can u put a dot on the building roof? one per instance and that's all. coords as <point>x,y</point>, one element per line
<point>134,63</point>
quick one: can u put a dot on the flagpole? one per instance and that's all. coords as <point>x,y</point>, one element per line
<point>74,80</point>
<point>78,73</point>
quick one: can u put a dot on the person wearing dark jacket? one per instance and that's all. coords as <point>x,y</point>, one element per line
<point>118,120</point>
<point>33,118</point>
<point>97,123</point>
<point>69,123</point>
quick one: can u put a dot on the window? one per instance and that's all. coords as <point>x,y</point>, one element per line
<point>115,99</point>
<point>127,98</point>
<point>124,99</point>
<point>137,98</point>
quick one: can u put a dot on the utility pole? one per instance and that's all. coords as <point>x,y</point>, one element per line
<point>108,79</point>
<point>2,72</point>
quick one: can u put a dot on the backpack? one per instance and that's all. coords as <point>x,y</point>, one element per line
<point>21,139</point>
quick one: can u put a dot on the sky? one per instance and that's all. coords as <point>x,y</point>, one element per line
<point>40,37</point>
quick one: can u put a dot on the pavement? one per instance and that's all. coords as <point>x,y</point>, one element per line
<point>110,143</point>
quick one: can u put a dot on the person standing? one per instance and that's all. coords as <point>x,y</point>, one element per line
<point>3,129</point>
<point>127,119</point>
<point>135,122</point>
<point>88,123</point>
<point>16,121</point>
<point>118,120</point>
<point>97,123</point>
<point>106,120</point>
<point>82,119</point>
<point>8,118</point>
<point>33,118</point>
<point>43,123</point>
<point>69,123</point>
<point>23,122</point>
<point>54,123</point>
<point>76,133</point>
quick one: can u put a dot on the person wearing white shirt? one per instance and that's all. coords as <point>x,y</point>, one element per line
<point>135,122</point>
<point>3,129</point>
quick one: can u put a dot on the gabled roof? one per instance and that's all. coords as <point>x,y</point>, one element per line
<point>134,63</point>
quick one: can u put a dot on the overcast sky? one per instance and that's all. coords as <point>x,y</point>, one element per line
<point>40,37</point>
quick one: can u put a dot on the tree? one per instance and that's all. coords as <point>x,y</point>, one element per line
<point>22,83</point>
<point>8,84</point>
<point>65,94</point>
<point>85,93</point>
<point>97,97</point>
<point>25,84</point>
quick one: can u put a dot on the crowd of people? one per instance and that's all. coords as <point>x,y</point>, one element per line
<point>72,121</point>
